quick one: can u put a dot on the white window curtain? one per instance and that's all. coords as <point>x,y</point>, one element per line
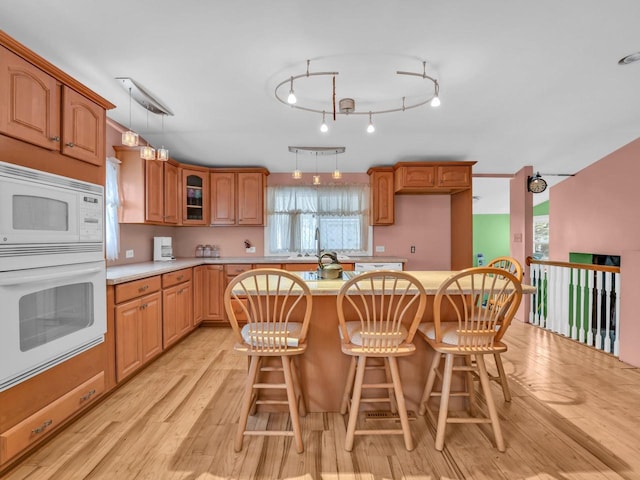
<point>112,202</point>
<point>340,212</point>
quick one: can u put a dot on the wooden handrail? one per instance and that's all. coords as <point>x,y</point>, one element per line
<point>584,266</point>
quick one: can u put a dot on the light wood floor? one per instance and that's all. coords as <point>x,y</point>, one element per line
<point>575,415</point>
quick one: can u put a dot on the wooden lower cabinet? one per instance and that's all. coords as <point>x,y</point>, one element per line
<point>138,325</point>
<point>48,419</point>
<point>177,306</point>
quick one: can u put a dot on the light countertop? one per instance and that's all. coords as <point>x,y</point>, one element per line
<point>135,271</point>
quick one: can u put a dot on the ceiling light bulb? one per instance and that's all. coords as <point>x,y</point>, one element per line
<point>147,153</point>
<point>324,128</point>
<point>297,174</point>
<point>316,179</point>
<point>370,128</point>
<point>162,154</point>
<point>435,101</point>
<point>337,174</point>
<point>291,99</point>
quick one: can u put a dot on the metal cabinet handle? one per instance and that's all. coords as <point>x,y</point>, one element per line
<point>88,395</point>
<point>143,288</point>
<point>70,144</point>
<point>180,277</point>
<point>143,306</point>
<point>55,139</point>
<point>42,427</point>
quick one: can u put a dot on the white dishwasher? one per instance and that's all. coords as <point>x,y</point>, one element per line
<point>367,267</point>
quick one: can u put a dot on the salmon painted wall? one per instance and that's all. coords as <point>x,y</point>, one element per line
<point>595,211</point>
<point>521,229</point>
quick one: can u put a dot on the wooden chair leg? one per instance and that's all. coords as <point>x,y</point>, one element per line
<point>355,403</point>
<point>470,384</point>
<point>444,401</point>
<point>247,400</point>
<point>302,404</point>
<point>293,402</point>
<point>491,406</point>
<point>256,392</point>
<point>431,378</point>
<point>391,392</point>
<point>348,387</point>
<point>503,377</point>
<point>402,408</point>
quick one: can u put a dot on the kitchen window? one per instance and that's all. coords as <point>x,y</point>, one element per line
<point>112,202</point>
<point>340,212</point>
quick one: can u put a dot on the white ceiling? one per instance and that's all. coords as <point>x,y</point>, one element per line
<point>521,82</point>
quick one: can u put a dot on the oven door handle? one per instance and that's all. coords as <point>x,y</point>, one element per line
<point>43,277</point>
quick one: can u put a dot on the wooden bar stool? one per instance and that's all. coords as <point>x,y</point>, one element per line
<point>512,266</point>
<point>470,330</point>
<point>379,314</point>
<point>277,308</point>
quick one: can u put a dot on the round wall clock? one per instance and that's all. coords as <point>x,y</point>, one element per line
<point>536,184</point>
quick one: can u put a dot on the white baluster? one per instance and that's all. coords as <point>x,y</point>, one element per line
<point>607,319</point>
<point>533,271</point>
<point>616,342</point>
<point>563,287</point>
<point>575,280</point>
<point>544,297</point>
<point>583,282</point>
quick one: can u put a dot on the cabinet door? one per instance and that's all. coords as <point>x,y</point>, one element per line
<point>83,128</point>
<point>250,198</point>
<point>195,197</point>
<point>382,200</point>
<point>151,326</point>
<point>170,305</point>
<point>184,317</point>
<point>171,198</point>
<point>214,307</point>
<point>154,183</point>
<point>223,194</point>
<point>200,293</point>
<point>29,102</point>
<point>454,176</point>
<point>128,348</point>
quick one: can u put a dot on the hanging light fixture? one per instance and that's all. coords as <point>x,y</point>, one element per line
<point>337,174</point>
<point>297,174</point>
<point>162,153</point>
<point>316,177</point>
<point>148,152</point>
<point>324,128</point>
<point>347,106</point>
<point>370,128</point>
<point>130,138</point>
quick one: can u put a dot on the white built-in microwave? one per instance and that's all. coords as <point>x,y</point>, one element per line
<point>47,219</point>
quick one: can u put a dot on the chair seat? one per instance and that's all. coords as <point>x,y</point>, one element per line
<point>450,338</point>
<point>378,343</point>
<point>272,335</point>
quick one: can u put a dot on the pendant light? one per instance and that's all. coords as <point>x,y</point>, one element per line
<point>337,174</point>
<point>130,138</point>
<point>324,128</point>
<point>148,152</point>
<point>316,177</point>
<point>297,174</point>
<point>162,153</point>
<point>370,128</point>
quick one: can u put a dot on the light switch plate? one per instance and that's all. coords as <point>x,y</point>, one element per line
<point>128,254</point>
<point>379,248</point>
<point>250,250</point>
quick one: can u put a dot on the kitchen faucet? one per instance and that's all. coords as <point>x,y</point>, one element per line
<point>319,251</point>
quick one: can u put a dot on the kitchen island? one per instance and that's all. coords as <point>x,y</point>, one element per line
<point>323,367</point>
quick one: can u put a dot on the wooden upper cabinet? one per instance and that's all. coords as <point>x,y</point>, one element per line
<point>382,199</point>
<point>83,128</point>
<point>148,189</point>
<point>223,198</point>
<point>250,198</point>
<point>237,197</point>
<point>36,108</point>
<point>29,102</point>
<point>432,177</point>
<point>195,196</point>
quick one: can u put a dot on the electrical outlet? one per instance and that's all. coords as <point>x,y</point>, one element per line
<point>413,249</point>
<point>379,248</point>
<point>128,254</point>
<point>250,250</point>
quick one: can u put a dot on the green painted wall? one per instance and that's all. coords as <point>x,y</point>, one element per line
<point>541,209</point>
<point>490,236</point>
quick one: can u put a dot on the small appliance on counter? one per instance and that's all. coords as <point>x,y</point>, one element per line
<point>331,270</point>
<point>162,249</point>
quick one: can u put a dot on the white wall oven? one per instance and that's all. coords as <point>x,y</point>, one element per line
<point>52,271</point>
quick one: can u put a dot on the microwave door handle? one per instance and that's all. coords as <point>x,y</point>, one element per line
<point>6,282</point>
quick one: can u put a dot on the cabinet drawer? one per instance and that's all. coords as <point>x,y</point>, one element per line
<point>137,288</point>
<point>173,278</point>
<point>41,423</point>
<point>236,269</point>
<point>301,267</point>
